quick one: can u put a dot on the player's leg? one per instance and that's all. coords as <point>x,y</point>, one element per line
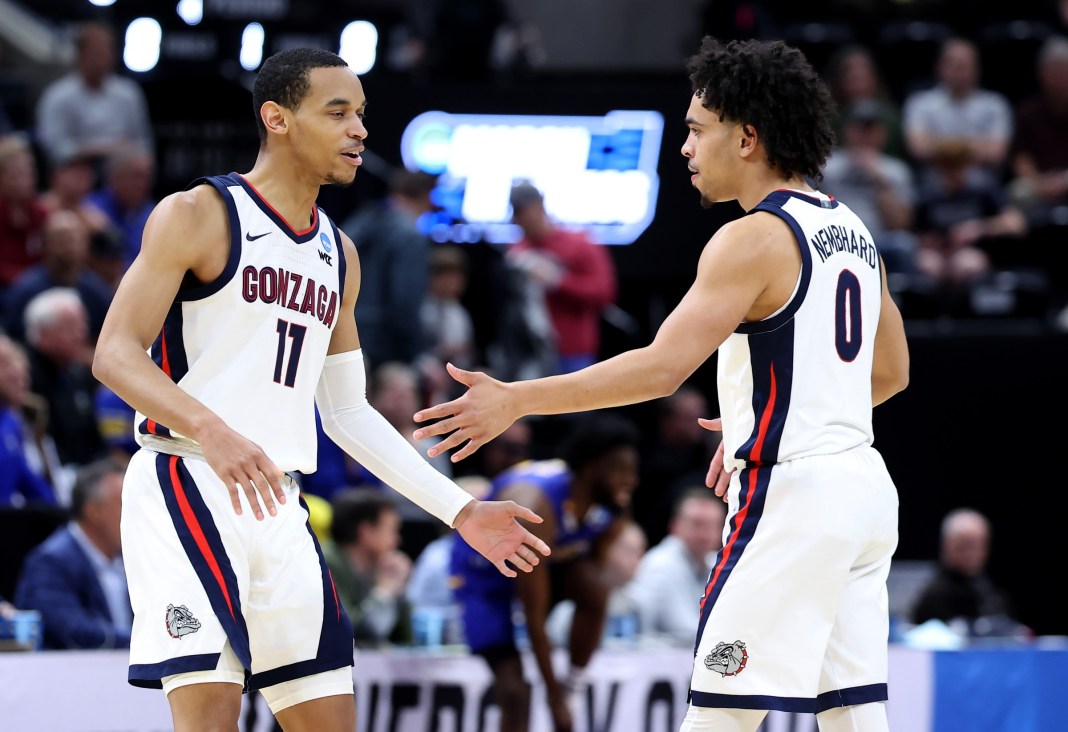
<point>857,718</point>
<point>708,719</point>
<point>206,707</point>
<point>323,702</point>
<point>490,633</point>
<point>207,700</point>
<point>511,690</point>
<point>299,635</point>
<point>582,581</point>
<point>188,576</point>
<point>853,677</point>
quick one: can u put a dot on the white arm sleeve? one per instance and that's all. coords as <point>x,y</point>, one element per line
<point>363,433</point>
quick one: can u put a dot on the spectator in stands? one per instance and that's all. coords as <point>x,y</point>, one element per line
<point>75,579</point>
<point>446,321</point>
<point>960,592</point>
<point>394,257</point>
<point>394,391</point>
<point>853,76</point>
<point>370,572</point>
<point>92,111</point>
<point>70,182</point>
<point>877,187</point>
<point>675,458</point>
<point>957,110</point>
<point>462,39</point>
<point>671,578</point>
<point>64,263</point>
<point>20,482</point>
<point>60,356</point>
<point>620,563</point>
<point>1040,143</point>
<point>960,213</point>
<point>21,214</point>
<point>577,275</point>
<point>126,196</point>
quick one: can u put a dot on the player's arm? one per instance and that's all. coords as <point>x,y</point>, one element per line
<point>358,428</point>
<point>890,363</point>
<point>732,277</point>
<point>187,232</point>
<point>534,588</point>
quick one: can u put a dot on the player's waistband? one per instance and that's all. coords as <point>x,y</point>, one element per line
<point>187,449</point>
<point>172,446</point>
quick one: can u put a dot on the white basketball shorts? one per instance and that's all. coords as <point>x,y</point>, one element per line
<point>795,614</point>
<point>201,576</point>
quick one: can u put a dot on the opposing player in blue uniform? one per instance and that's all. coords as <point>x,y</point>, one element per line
<point>582,496</point>
<point>234,323</point>
<point>792,299</point>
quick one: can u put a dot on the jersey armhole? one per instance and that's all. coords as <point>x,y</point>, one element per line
<point>192,288</point>
<point>783,316</point>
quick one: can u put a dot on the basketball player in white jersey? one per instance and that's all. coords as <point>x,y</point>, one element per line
<point>793,297</point>
<point>233,323</point>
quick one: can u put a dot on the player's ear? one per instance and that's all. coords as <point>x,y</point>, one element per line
<point>747,140</point>
<point>274,118</point>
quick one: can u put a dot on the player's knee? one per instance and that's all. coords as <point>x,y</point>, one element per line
<point>512,691</point>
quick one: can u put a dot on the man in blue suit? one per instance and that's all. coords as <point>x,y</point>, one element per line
<point>76,577</point>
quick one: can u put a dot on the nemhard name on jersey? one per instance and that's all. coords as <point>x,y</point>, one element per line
<point>835,238</point>
<point>290,290</point>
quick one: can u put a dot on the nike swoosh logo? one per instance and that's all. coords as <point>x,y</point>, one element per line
<point>250,237</point>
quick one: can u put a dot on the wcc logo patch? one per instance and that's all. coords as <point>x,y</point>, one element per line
<point>728,659</point>
<point>328,246</point>
<point>180,621</point>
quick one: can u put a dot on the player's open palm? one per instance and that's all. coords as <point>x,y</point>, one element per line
<point>493,531</point>
<point>475,418</point>
<point>244,467</point>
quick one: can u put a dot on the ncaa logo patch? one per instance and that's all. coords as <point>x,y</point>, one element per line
<point>728,659</point>
<point>327,244</point>
<point>180,621</point>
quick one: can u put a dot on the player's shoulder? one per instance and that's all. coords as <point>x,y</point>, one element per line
<point>756,232</point>
<point>195,218</point>
<point>195,207</point>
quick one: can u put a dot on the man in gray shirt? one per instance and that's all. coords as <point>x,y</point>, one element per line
<point>958,108</point>
<point>877,187</point>
<point>671,577</point>
<point>91,111</point>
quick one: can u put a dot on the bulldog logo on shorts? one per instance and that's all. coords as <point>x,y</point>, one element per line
<point>180,621</point>
<point>728,659</point>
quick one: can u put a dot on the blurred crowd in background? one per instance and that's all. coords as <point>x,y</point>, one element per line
<point>963,181</point>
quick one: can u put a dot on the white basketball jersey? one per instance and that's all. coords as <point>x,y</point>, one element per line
<point>798,383</point>
<point>251,345</point>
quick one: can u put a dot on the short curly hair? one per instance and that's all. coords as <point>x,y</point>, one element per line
<point>773,87</point>
<point>283,79</point>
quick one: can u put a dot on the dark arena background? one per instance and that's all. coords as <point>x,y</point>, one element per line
<point>981,424</point>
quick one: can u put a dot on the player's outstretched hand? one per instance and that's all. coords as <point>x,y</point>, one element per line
<point>490,527</point>
<point>482,413</point>
<point>243,466</point>
<point>717,478</point>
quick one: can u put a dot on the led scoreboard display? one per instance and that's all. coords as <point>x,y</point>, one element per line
<point>596,173</point>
